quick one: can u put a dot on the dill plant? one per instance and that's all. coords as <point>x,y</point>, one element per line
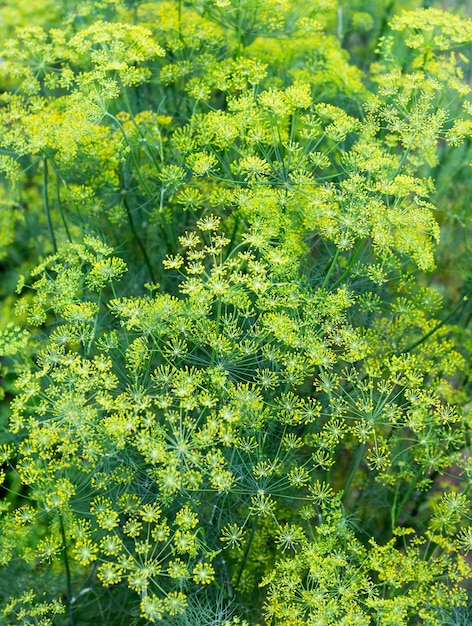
<point>235,396</point>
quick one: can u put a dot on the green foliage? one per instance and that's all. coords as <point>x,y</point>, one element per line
<point>235,370</point>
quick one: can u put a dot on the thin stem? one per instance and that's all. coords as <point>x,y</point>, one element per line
<point>232,238</point>
<point>227,581</point>
<point>67,187</point>
<point>47,210</point>
<point>169,232</point>
<point>340,26</point>
<point>139,242</point>
<point>394,507</point>
<point>402,161</point>
<point>355,468</point>
<point>59,206</point>
<point>352,260</point>
<point>133,156</point>
<point>397,511</point>
<point>422,339</point>
<point>68,576</point>
<point>129,108</point>
<point>168,228</point>
<point>246,551</point>
<point>179,11</point>
<point>330,268</point>
<point>218,317</point>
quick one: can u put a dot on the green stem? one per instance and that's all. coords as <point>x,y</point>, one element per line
<point>139,242</point>
<point>396,511</point>
<point>340,26</point>
<point>352,260</point>
<point>218,317</point>
<point>394,508</point>
<point>422,339</point>
<point>68,576</point>
<point>330,268</point>
<point>355,468</point>
<point>47,210</point>
<point>232,238</point>
<point>168,231</point>
<point>179,12</point>
<point>133,156</point>
<point>59,206</point>
<point>168,228</point>
<point>67,187</point>
<point>246,551</point>
<point>129,109</point>
<point>402,161</point>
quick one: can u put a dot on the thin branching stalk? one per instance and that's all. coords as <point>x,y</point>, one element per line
<point>47,209</point>
<point>68,573</point>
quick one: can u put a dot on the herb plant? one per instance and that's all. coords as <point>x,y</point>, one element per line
<point>236,356</point>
